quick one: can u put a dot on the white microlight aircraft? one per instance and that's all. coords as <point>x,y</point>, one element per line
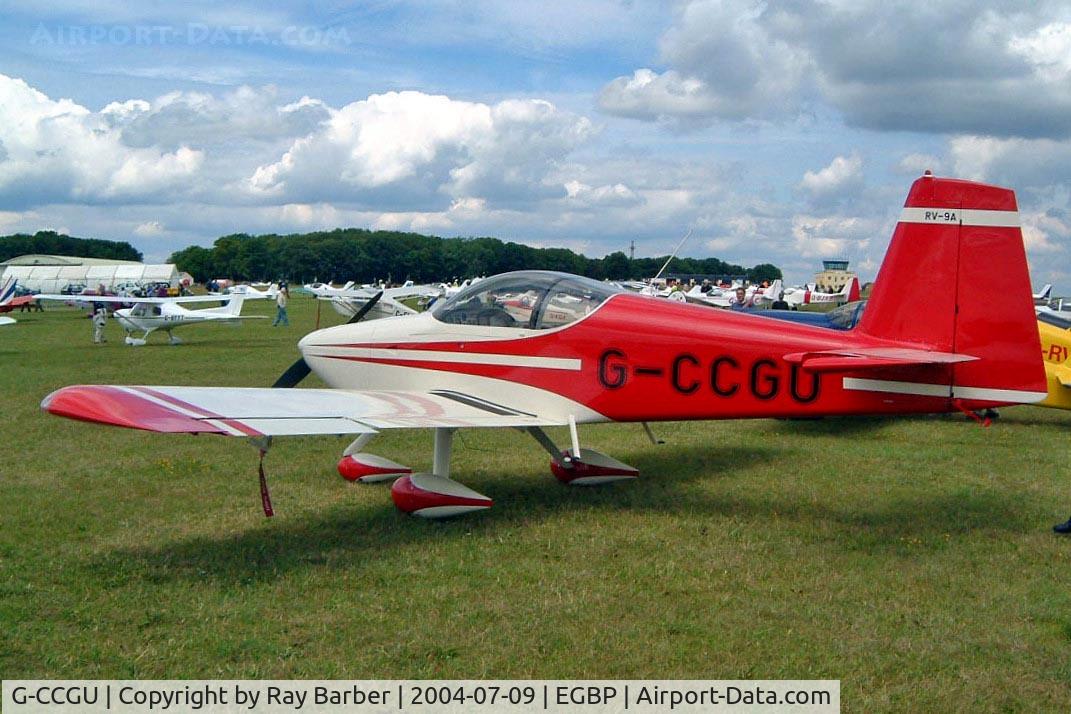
<point>388,304</point>
<point>150,314</point>
<point>325,290</point>
<point>723,297</point>
<point>252,293</point>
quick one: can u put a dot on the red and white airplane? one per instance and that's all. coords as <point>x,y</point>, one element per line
<point>936,337</point>
<point>7,294</point>
<point>8,300</point>
<point>805,296</point>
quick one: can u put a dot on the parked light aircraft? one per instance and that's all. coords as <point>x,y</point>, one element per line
<point>448,291</point>
<point>388,304</point>
<point>150,314</point>
<point>251,293</point>
<point>1055,332</point>
<point>806,296</point>
<point>937,336</point>
<point>8,300</point>
<point>7,295</point>
<point>724,297</point>
<point>326,289</point>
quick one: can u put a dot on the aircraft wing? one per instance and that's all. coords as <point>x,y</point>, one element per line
<point>872,358</point>
<point>129,300</point>
<point>243,411</point>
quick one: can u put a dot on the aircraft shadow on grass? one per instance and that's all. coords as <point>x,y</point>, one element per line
<point>348,537</point>
<point>844,426</point>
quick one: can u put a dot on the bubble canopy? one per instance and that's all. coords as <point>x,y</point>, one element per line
<point>526,299</point>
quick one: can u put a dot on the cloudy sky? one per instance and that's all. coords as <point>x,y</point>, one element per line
<point>782,132</point>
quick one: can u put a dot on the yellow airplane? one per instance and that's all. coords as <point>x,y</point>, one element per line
<point>1055,331</point>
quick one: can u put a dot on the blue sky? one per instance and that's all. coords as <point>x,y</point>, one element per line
<point>782,132</point>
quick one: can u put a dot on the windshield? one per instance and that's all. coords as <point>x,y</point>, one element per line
<point>529,299</point>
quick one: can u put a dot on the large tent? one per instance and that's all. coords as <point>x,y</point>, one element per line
<point>51,274</point>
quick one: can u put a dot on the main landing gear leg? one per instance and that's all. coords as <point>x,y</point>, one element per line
<point>172,339</point>
<point>581,467</point>
<point>436,495</point>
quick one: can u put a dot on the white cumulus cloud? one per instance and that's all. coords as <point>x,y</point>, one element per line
<point>56,150</point>
<point>403,146</point>
<point>842,175</point>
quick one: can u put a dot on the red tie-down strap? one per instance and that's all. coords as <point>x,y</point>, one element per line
<point>265,495</point>
<point>984,421</point>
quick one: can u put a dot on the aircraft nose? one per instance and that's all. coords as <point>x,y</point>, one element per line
<point>358,333</point>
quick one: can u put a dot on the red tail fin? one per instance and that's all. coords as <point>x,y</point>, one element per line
<point>853,290</point>
<point>955,279</point>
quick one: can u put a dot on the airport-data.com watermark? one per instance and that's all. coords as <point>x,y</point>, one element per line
<point>192,33</point>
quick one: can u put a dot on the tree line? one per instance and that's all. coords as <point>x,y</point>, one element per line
<point>364,255</point>
<point>52,243</point>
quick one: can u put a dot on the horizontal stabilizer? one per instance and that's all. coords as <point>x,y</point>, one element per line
<point>1062,374</point>
<point>872,358</point>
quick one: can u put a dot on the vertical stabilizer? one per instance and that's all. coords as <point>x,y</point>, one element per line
<point>955,279</point>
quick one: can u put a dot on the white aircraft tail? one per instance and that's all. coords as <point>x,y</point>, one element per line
<point>233,307</point>
<point>7,290</point>
<point>1044,294</point>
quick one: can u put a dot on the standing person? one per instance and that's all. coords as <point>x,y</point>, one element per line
<point>740,300</point>
<point>779,303</point>
<point>280,302</point>
<point>100,319</point>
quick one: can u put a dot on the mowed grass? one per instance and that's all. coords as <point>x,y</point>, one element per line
<point>912,559</point>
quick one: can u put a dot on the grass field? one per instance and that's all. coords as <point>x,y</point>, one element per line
<point>912,559</point>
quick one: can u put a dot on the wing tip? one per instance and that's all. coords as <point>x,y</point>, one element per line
<point>115,406</point>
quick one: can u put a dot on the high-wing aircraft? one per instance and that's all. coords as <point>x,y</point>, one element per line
<point>585,352</point>
<point>388,304</point>
<point>147,315</point>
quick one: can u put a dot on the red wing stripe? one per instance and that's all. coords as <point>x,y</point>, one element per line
<point>247,430</point>
<point>179,403</point>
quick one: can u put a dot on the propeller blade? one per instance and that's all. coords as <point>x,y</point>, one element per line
<point>365,308</point>
<point>294,374</point>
